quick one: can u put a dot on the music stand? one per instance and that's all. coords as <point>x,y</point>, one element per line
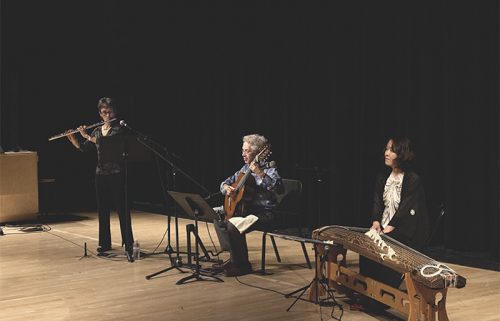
<point>195,206</point>
<point>118,148</point>
<point>123,149</point>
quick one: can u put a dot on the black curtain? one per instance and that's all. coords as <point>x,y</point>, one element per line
<point>326,81</point>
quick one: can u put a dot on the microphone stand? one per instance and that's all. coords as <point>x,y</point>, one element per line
<point>168,249</point>
<point>318,182</point>
<point>318,280</point>
<point>153,146</point>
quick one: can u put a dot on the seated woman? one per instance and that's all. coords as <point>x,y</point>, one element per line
<point>399,208</point>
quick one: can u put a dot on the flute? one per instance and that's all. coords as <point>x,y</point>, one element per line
<point>72,131</point>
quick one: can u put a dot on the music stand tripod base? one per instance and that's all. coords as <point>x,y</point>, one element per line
<point>200,276</point>
<point>175,265</point>
<point>197,207</point>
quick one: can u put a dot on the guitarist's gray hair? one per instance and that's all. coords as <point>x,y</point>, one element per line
<point>256,141</point>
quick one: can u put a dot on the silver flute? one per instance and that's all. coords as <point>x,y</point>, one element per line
<point>72,131</point>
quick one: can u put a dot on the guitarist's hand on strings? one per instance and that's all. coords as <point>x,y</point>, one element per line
<point>257,170</point>
<point>229,190</point>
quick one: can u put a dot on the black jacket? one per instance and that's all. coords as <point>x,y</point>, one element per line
<point>410,222</point>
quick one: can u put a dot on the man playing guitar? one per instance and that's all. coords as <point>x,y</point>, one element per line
<point>249,201</point>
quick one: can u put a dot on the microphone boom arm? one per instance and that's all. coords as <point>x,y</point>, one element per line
<point>144,140</point>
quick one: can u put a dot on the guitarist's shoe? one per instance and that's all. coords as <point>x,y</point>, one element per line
<point>221,265</point>
<point>233,270</point>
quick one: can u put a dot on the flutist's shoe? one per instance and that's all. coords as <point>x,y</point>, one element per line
<point>101,250</point>
<point>130,256</point>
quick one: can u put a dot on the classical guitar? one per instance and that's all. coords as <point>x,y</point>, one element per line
<point>233,201</point>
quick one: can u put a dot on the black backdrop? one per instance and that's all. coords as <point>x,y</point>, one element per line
<point>325,81</point>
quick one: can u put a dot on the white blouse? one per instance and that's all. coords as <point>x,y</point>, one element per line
<point>392,196</point>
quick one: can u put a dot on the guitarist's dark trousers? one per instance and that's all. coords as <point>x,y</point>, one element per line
<point>237,241</point>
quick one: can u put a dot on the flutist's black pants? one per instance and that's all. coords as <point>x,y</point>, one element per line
<point>110,194</point>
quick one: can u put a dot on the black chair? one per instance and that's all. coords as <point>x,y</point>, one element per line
<point>288,220</point>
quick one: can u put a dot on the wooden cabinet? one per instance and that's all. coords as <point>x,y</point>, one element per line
<point>18,186</point>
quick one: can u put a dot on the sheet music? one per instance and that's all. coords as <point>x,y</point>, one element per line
<point>243,223</point>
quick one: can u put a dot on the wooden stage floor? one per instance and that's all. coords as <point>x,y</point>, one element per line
<point>43,276</point>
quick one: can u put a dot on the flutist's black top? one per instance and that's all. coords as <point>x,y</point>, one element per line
<point>103,168</point>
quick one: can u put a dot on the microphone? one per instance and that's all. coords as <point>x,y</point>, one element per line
<point>139,134</point>
<point>324,257</point>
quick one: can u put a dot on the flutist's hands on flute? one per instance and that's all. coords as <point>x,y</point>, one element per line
<point>73,139</point>
<point>83,131</point>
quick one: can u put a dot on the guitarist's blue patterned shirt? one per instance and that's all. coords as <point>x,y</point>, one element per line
<point>264,197</point>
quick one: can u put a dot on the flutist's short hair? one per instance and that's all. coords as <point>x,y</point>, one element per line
<point>106,102</point>
<point>256,141</point>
